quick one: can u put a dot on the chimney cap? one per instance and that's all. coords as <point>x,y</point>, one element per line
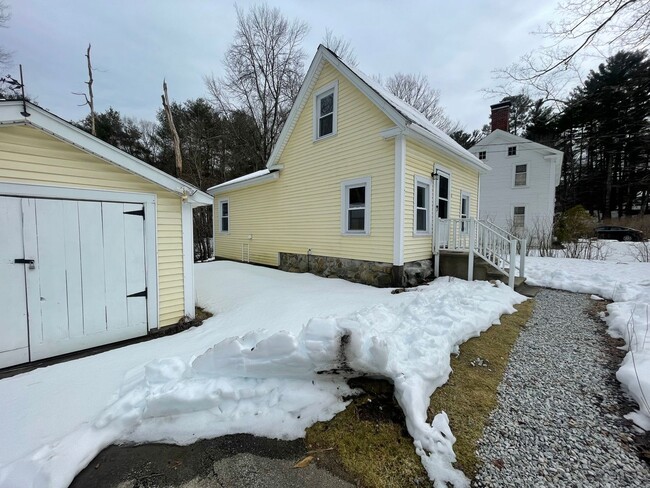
<point>499,105</point>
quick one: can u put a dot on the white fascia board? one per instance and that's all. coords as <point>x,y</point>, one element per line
<point>10,114</point>
<point>225,187</point>
<point>424,136</point>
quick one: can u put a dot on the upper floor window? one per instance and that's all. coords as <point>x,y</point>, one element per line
<point>422,205</point>
<point>356,206</point>
<point>325,111</point>
<point>482,154</point>
<point>512,150</point>
<point>521,172</point>
<point>224,216</point>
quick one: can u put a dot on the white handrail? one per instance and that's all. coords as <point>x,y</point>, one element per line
<point>493,244</point>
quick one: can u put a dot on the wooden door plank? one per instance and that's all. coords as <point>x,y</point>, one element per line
<point>92,267</point>
<point>73,268</point>
<point>13,334</point>
<point>114,261</point>
<point>135,265</point>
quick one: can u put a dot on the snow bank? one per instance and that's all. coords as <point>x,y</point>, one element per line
<point>628,285</point>
<point>277,384</point>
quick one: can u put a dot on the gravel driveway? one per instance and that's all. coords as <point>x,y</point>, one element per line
<point>559,422</point>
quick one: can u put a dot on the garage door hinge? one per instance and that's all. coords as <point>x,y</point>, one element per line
<point>142,293</point>
<point>136,212</point>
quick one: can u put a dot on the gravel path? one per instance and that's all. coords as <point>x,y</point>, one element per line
<point>558,421</point>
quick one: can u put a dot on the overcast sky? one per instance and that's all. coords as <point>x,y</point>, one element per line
<point>137,43</point>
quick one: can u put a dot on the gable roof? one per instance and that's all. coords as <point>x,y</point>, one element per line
<point>530,145</point>
<point>12,113</point>
<point>407,119</point>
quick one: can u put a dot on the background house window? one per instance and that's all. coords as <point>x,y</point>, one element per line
<point>356,206</point>
<point>512,150</point>
<point>422,205</point>
<point>519,219</point>
<point>482,154</point>
<point>520,174</point>
<point>224,216</point>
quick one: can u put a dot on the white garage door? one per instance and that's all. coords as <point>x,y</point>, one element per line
<point>72,276</point>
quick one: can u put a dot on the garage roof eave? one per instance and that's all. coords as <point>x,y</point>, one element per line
<point>12,113</point>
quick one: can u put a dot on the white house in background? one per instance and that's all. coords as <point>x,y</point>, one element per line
<point>518,195</point>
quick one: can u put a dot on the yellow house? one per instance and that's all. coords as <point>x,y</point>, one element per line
<point>354,187</point>
<point>96,246</point>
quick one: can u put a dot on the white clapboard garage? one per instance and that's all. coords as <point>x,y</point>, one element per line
<point>86,266</point>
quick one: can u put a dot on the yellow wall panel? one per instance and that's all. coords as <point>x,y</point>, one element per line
<point>28,155</point>
<point>302,209</point>
<point>420,161</point>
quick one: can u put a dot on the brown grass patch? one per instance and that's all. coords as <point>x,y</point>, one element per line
<point>368,443</point>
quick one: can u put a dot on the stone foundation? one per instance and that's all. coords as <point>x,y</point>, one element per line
<point>359,271</point>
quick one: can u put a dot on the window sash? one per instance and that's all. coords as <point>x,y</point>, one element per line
<point>519,217</point>
<point>356,209</point>
<point>422,207</point>
<point>521,171</point>
<point>482,155</point>
<point>224,216</point>
<point>325,118</point>
<point>512,150</point>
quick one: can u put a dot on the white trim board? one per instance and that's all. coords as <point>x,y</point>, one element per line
<point>399,197</point>
<point>10,114</point>
<point>188,259</point>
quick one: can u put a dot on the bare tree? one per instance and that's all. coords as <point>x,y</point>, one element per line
<point>341,47</point>
<point>585,27</point>
<point>90,100</point>
<point>417,92</point>
<point>264,70</point>
<point>5,15</point>
<point>172,128</point>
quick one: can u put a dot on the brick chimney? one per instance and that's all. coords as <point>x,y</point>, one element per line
<point>499,116</point>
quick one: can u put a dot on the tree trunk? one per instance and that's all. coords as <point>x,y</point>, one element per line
<point>172,128</point>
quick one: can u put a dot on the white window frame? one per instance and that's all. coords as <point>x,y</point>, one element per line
<point>220,212</point>
<point>523,226</point>
<point>465,195</point>
<point>514,175</point>
<point>441,170</point>
<point>427,183</point>
<point>323,92</point>
<point>508,151</point>
<point>345,198</point>
<point>484,153</point>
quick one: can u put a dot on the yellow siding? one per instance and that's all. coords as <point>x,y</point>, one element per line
<point>28,155</point>
<point>420,161</point>
<point>302,209</point>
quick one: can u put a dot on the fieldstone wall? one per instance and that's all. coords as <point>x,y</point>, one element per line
<point>417,272</point>
<point>356,270</point>
<point>359,271</point>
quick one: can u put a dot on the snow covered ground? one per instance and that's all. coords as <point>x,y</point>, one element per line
<point>252,368</point>
<point>625,281</point>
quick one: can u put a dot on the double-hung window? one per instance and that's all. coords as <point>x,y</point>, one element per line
<point>422,205</point>
<point>355,202</point>
<point>325,111</point>
<point>224,216</point>
<point>521,171</point>
<point>519,219</point>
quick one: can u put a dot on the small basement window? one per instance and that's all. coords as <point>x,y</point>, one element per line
<point>356,206</point>
<point>521,171</point>
<point>482,155</point>
<point>512,150</point>
<point>325,111</point>
<point>224,216</point>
